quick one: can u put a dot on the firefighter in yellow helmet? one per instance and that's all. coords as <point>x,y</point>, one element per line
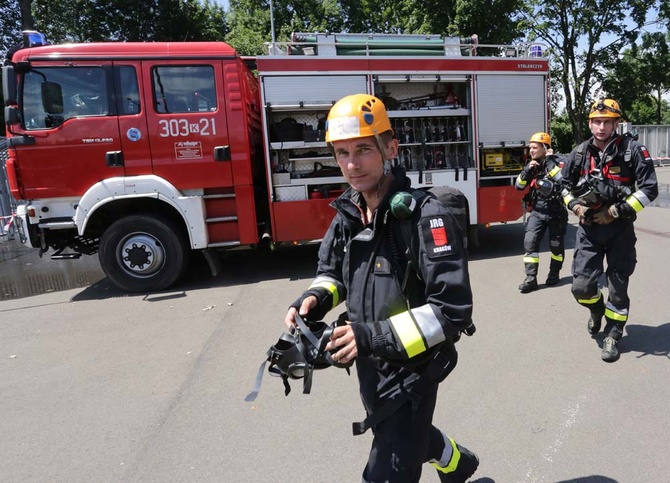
<point>395,331</point>
<point>547,212</point>
<point>608,179</point>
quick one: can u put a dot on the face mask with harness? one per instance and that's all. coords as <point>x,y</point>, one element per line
<point>298,353</point>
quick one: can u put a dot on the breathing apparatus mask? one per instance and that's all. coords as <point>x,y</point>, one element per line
<point>586,193</point>
<point>298,353</point>
<point>545,187</point>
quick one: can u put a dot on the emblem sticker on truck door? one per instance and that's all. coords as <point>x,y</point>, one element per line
<point>134,134</point>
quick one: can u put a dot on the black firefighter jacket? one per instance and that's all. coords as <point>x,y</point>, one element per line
<point>364,266</point>
<point>631,185</point>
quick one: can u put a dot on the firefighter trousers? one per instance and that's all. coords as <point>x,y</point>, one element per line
<point>594,244</point>
<point>536,226</point>
<point>404,441</point>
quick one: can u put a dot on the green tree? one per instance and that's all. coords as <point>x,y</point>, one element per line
<point>250,22</point>
<point>639,79</point>
<point>130,20</point>
<point>583,36</point>
<point>495,22</point>
<point>10,27</point>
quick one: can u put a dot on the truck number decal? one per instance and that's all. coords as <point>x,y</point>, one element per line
<point>182,127</point>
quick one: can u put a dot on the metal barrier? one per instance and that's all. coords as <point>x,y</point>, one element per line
<point>655,137</point>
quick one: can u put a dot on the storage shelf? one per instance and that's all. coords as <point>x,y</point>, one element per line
<point>296,145</point>
<point>509,145</point>
<point>316,180</point>
<point>433,143</point>
<point>298,108</point>
<point>313,159</point>
<point>434,112</point>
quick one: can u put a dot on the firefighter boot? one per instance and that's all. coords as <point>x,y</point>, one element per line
<point>595,320</point>
<point>553,278</point>
<point>529,284</point>
<point>462,465</point>
<point>614,331</point>
<point>610,352</point>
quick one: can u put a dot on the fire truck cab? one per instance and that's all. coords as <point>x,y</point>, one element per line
<point>141,152</point>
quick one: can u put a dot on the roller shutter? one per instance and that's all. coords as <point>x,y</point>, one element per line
<point>311,89</point>
<point>510,108</point>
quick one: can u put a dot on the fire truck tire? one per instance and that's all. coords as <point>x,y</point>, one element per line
<point>143,253</point>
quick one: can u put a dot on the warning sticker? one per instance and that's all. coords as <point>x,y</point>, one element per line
<point>188,150</point>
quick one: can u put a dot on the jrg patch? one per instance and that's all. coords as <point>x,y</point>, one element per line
<point>438,236</point>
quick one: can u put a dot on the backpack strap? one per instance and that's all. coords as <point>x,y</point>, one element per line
<point>576,170</point>
<point>628,138</point>
<point>406,228</point>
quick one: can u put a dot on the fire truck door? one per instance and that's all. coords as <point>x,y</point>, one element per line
<point>131,108</point>
<point>68,110</point>
<point>187,122</point>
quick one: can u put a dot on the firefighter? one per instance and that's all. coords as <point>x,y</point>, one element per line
<point>609,178</point>
<point>390,332</point>
<point>547,212</point>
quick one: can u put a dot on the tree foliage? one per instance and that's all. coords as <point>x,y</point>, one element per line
<point>130,20</point>
<point>583,36</point>
<point>250,21</point>
<point>639,78</point>
<point>10,27</point>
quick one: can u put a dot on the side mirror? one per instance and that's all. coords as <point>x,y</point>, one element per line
<point>12,116</point>
<point>9,88</point>
<point>52,98</point>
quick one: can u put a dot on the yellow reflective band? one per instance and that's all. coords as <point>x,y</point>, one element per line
<point>531,259</point>
<point>557,257</point>
<point>331,288</point>
<point>520,181</point>
<point>634,203</point>
<point>567,199</point>
<point>610,314</point>
<point>408,333</point>
<point>453,462</point>
<point>591,300</point>
<point>553,172</point>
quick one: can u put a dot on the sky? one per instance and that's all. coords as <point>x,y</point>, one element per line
<point>223,3</point>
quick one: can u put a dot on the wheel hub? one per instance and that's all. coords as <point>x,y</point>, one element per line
<point>142,254</point>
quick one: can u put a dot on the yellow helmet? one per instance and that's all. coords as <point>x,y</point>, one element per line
<point>357,116</point>
<point>542,138</point>
<point>605,108</point>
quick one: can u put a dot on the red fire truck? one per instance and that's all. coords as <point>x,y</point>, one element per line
<point>142,152</point>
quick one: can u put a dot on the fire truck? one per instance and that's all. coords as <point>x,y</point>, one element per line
<point>144,152</point>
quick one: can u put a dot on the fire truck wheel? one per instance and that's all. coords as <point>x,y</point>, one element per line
<point>143,253</point>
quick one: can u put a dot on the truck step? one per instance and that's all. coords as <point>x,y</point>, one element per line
<point>58,225</point>
<point>66,256</point>
<point>224,244</point>
<point>220,219</point>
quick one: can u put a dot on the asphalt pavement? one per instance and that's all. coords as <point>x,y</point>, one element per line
<point>97,385</point>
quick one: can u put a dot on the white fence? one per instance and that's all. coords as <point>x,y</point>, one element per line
<point>655,138</point>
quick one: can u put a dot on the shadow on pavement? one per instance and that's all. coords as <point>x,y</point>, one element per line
<point>237,268</point>
<point>589,479</point>
<point>647,341</point>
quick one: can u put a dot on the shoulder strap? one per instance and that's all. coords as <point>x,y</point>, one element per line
<point>406,227</point>
<point>628,138</point>
<point>579,160</point>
